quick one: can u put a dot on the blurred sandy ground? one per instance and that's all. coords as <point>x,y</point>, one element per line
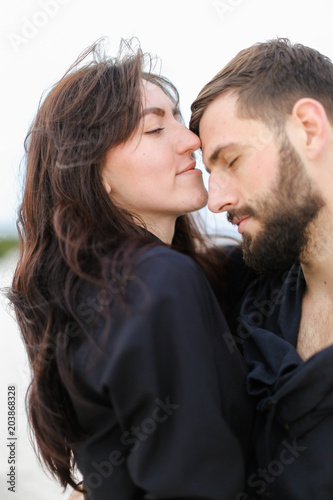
<point>32,483</point>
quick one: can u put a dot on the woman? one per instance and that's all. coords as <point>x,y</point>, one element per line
<point>132,380</point>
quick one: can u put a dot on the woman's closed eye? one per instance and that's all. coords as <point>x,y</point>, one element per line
<point>155,130</point>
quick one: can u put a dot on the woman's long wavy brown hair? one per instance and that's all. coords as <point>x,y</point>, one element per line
<point>70,230</point>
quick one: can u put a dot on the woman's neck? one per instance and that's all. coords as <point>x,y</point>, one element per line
<point>164,229</point>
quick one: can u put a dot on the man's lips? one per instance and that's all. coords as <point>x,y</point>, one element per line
<point>240,222</point>
<point>190,169</point>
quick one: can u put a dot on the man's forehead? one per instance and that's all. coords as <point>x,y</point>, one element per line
<point>213,129</point>
<point>221,128</point>
<point>222,107</point>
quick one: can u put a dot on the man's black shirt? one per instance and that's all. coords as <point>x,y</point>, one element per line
<point>294,398</point>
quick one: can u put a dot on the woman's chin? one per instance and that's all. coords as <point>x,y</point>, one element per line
<point>202,199</point>
<point>197,202</point>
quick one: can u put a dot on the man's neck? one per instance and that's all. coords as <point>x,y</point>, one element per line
<point>316,325</point>
<point>317,259</point>
<point>319,277</point>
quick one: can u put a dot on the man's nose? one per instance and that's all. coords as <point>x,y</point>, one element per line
<point>221,196</point>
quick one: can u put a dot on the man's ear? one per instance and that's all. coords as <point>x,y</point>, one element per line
<point>310,115</point>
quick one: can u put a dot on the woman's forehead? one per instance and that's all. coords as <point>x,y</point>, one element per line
<point>154,96</point>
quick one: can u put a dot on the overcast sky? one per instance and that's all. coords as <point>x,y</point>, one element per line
<point>193,38</point>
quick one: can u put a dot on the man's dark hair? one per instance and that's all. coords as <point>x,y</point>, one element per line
<point>268,78</point>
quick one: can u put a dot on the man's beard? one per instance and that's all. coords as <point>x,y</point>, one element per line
<point>285,214</point>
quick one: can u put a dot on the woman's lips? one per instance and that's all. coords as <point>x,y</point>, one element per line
<point>190,169</point>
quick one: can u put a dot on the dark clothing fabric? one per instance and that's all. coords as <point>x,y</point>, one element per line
<point>294,398</point>
<point>163,399</point>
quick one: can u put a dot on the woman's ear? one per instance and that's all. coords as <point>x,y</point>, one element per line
<point>106,184</point>
<point>310,115</point>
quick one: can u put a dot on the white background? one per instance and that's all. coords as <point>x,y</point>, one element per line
<point>40,39</point>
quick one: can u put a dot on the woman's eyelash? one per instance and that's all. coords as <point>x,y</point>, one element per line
<point>155,131</point>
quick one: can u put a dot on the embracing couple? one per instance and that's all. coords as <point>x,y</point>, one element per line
<point>164,366</point>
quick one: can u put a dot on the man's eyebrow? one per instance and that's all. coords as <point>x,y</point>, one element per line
<point>218,151</point>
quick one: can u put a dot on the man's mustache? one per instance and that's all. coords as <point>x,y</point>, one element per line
<point>236,215</point>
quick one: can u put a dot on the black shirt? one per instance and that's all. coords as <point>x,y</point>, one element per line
<point>294,398</point>
<point>164,402</point>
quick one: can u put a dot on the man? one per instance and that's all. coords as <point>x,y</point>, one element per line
<point>266,126</point>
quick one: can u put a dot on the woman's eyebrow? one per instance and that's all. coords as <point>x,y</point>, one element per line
<point>154,111</point>
<point>159,111</point>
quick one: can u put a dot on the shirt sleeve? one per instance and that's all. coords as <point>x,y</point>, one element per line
<point>174,385</point>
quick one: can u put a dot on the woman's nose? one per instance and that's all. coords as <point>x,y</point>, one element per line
<point>188,141</point>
